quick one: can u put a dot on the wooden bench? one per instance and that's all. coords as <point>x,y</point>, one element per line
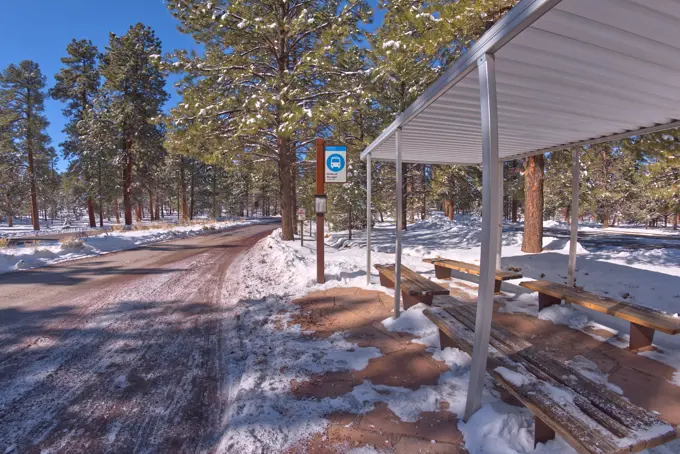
<point>589,416</point>
<point>443,267</point>
<point>414,287</point>
<point>644,321</point>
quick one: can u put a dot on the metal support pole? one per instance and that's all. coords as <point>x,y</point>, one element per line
<point>499,251</point>
<point>369,218</point>
<point>490,219</point>
<point>397,251</point>
<point>575,192</point>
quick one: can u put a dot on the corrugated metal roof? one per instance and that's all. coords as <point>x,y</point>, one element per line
<point>567,72</point>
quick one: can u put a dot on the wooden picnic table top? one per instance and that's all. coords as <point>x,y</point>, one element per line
<point>471,268</point>
<point>589,416</point>
<point>635,313</point>
<point>412,282</point>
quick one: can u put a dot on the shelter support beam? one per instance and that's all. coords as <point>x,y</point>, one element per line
<point>490,239</point>
<point>575,193</point>
<point>369,218</point>
<point>397,249</point>
<point>499,251</point>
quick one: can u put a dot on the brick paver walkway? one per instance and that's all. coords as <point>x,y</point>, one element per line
<point>359,312</point>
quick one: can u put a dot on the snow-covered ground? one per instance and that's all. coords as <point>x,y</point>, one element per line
<point>18,258</point>
<point>263,415</point>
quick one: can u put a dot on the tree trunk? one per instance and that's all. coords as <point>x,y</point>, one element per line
<point>117,211</point>
<point>10,221</point>
<point>127,184</point>
<point>31,168</point>
<point>533,205</point>
<point>193,185</point>
<point>99,193</point>
<point>514,209</point>
<point>452,206</point>
<point>286,188</point>
<point>404,196</point>
<point>183,192</point>
<point>138,212</point>
<point>350,221</point>
<point>675,220</point>
<point>151,211</point>
<point>214,194</point>
<point>605,218</point>
<point>90,212</point>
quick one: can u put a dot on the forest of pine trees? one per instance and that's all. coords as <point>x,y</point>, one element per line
<point>270,78</point>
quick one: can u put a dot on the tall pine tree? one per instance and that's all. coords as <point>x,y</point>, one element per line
<point>22,95</point>
<point>134,93</point>
<point>77,85</point>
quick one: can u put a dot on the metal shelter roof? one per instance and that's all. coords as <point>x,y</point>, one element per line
<point>568,72</point>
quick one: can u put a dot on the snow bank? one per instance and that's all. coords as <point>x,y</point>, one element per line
<point>21,258</point>
<point>263,415</point>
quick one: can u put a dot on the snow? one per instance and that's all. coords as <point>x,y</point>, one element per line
<point>513,377</point>
<point>21,258</point>
<point>261,412</point>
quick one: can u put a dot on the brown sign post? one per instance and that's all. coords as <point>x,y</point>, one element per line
<point>320,213</point>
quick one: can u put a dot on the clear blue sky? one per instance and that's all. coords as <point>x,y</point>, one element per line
<point>39,30</point>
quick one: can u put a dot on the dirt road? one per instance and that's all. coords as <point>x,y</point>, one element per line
<point>119,353</point>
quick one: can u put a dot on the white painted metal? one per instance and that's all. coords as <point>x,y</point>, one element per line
<point>499,250</point>
<point>397,250</point>
<point>569,73</point>
<point>489,239</point>
<point>575,192</point>
<point>369,218</point>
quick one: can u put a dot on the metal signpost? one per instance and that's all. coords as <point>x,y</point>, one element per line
<point>302,214</point>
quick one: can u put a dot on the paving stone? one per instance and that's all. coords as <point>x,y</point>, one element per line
<point>356,437</point>
<point>332,384</point>
<point>409,368</point>
<point>413,445</point>
<point>342,291</point>
<point>647,391</point>
<point>439,426</point>
<point>369,336</point>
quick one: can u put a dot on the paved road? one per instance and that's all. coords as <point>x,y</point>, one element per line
<point>119,353</point>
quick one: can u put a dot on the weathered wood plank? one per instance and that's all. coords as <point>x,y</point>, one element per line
<point>641,315</point>
<point>411,282</point>
<point>471,268</point>
<point>607,401</point>
<point>563,417</point>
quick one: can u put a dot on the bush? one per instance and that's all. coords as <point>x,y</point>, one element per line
<point>72,242</point>
<point>208,228</point>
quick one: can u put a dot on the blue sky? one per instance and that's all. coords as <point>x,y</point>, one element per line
<point>39,30</point>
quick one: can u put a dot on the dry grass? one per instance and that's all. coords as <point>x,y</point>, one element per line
<point>72,242</point>
<point>4,242</point>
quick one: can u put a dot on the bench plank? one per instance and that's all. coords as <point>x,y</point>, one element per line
<point>563,417</point>
<point>471,268</point>
<point>411,282</point>
<point>610,403</point>
<point>595,408</point>
<point>634,313</point>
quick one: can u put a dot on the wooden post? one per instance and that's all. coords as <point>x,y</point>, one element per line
<point>302,232</point>
<point>320,190</point>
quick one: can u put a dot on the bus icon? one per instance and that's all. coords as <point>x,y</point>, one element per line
<point>336,163</point>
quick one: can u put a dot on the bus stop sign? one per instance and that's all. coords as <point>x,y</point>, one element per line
<point>336,164</point>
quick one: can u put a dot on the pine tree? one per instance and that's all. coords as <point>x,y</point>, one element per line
<point>77,85</point>
<point>134,88</point>
<point>23,99</point>
<point>267,78</point>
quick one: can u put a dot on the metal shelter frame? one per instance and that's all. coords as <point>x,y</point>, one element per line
<point>547,65</point>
